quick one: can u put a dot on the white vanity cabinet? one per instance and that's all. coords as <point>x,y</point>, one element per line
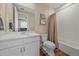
<point>13,51</point>
<point>32,48</point>
<point>11,47</point>
<point>28,46</point>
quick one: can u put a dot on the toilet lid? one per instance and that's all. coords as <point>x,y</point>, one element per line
<point>49,44</point>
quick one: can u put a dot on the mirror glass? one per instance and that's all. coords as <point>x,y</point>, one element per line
<point>20,18</point>
<point>24,18</point>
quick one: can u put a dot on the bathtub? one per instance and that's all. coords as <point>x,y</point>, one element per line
<point>69,47</point>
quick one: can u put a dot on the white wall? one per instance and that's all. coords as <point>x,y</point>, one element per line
<point>68,23</point>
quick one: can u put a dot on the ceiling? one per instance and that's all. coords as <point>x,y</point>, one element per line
<point>55,6</point>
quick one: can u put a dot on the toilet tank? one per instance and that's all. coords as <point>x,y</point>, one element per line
<point>44,37</point>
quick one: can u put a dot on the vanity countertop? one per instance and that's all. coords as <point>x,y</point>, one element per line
<point>16,35</point>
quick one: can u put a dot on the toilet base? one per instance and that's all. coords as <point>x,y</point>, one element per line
<point>50,52</point>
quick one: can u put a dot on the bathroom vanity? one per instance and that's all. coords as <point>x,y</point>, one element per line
<point>19,44</point>
<point>14,41</point>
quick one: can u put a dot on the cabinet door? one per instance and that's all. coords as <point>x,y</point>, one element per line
<point>32,49</point>
<point>14,51</point>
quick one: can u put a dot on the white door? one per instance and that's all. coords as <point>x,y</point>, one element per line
<point>14,51</point>
<point>32,49</point>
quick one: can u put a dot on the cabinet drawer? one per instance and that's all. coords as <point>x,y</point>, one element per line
<point>13,51</point>
<point>31,39</point>
<point>10,43</point>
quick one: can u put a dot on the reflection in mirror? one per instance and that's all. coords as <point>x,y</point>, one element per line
<point>1,24</point>
<point>20,18</point>
<point>23,18</point>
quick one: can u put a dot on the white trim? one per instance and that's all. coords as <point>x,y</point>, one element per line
<point>65,6</point>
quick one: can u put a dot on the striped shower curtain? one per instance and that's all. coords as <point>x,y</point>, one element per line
<point>52,30</point>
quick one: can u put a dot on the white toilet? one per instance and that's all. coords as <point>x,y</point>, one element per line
<point>48,46</point>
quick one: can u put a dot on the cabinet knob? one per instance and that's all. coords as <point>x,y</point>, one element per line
<point>24,49</point>
<point>20,49</point>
